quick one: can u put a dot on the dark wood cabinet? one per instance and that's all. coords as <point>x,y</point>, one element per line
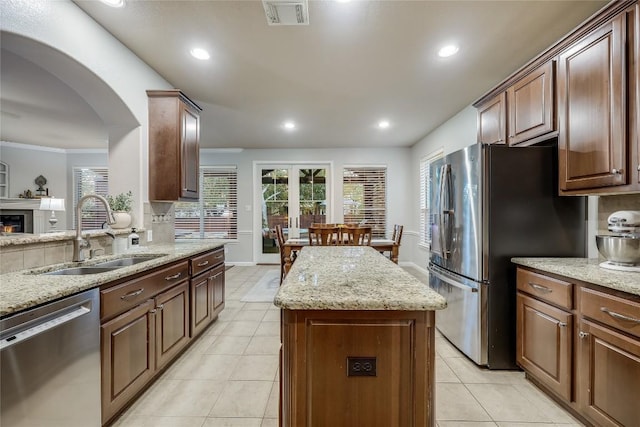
<point>492,121</point>
<point>545,343</point>
<point>174,146</point>
<point>395,349</point>
<point>587,354</point>
<point>592,140</point>
<point>531,105</point>
<point>128,362</point>
<point>608,358</point>
<point>635,88</point>
<point>172,323</point>
<point>207,289</point>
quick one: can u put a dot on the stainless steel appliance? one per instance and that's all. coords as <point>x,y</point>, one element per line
<point>622,248</point>
<point>489,204</point>
<point>50,364</point>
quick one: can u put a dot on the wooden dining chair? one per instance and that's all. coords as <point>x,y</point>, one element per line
<point>397,233</point>
<point>359,236</point>
<point>280,238</point>
<point>323,236</point>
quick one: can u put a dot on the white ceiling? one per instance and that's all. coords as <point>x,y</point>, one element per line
<point>354,64</point>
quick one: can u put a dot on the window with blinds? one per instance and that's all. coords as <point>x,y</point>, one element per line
<point>90,180</point>
<point>215,215</point>
<point>364,191</point>
<point>425,190</point>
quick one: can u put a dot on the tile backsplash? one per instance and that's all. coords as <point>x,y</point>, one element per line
<point>610,204</point>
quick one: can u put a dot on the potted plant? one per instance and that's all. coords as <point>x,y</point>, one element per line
<point>121,205</point>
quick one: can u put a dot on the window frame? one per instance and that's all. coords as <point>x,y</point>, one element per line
<point>90,206</point>
<point>378,221</point>
<point>424,238</point>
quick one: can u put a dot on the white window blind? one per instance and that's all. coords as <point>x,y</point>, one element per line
<point>365,197</point>
<point>425,190</point>
<point>216,213</point>
<point>90,180</point>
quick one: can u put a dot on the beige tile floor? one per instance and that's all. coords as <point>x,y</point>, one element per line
<point>229,377</point>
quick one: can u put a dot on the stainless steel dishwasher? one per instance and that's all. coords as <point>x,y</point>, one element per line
<point>50,364</point>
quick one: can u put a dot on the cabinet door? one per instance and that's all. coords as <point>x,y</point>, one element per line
<point>530,102</point>
<point>127,357</point>
<point>544,342</point>
<point>608,374</point>
<point>592,110</point>
<point>217,279</point>
<point>189,148</point>
<point>492,126</point>
<point>172,323</point>
<point>201,303</point>
<point>636,83</point>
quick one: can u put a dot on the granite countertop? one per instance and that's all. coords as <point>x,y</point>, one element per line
<point>352,278</point>
<point>586,270</point>
<point>24,289</point>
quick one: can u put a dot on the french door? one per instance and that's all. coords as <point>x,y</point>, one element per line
<point>293,196</point>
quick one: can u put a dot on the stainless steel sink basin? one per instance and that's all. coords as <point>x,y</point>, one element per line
<point>77,271</point>
<point>125,262</point>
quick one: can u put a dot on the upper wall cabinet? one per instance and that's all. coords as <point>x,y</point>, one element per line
<point>174,146</point>
<point>531,105</point>
<point>492,124</point>
<point>592,110</point>
<point>524,112</point>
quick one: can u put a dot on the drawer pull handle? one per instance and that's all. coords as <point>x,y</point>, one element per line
<point>619,316</point>
<point>132,294</point>
<point>219,256</point>
<point>175,276</point>
<point>540,288</point>
<point>216,275</point>
<point>562,324</point>
<point>583,335</point>
<point>202,264</point>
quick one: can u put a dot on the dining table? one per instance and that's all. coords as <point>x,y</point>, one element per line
<point>292,246</point>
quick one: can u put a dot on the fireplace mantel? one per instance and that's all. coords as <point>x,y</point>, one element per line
<point>32,205</point>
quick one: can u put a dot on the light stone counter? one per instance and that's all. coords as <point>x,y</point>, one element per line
<point>352,278</point>
<point>586,270</point>
<point>24,289</point>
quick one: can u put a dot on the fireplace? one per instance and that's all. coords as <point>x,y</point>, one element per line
<point>16,221</point>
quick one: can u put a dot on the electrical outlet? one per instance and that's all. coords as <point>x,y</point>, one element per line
<point>361,367</point>
<point>149,235</point>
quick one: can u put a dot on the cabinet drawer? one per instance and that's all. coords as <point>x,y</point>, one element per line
<point>206,261</point>
<point>611,310</point>
<point>122,297</point>
<point>546,288</point>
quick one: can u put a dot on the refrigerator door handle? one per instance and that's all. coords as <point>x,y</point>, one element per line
<point>445,190</point>
<point>451,281</point>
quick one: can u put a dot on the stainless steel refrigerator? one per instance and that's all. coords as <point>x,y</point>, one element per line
<point>489,204</point>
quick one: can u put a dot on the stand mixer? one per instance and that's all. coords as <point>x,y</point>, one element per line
<point>621,249</point>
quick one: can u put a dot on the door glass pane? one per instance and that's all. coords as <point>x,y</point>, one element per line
<point>275,206</point>
<point>313,198</point>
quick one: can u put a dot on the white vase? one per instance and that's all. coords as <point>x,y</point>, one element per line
<point>123,220</point>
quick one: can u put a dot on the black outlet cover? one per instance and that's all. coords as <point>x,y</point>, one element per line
<point>361,366</point>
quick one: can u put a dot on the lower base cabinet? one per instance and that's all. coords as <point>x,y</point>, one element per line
<point>599,381</point>
<point>148,321</point>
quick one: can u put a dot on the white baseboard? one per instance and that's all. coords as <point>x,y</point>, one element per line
<point>240,264</point>
<point>414,265</point>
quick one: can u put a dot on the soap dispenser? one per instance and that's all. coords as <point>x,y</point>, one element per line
<point>133,240</point>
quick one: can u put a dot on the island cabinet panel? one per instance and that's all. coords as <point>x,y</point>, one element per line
<point>592,111</point>
<point>531,105</point>
<point>345,368</point>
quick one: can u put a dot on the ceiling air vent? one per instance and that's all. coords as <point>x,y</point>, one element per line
<point>286,12</point>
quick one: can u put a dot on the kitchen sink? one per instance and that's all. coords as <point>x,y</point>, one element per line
<point>103,267</point>
<point>78,271</point>
<point>125,262</point>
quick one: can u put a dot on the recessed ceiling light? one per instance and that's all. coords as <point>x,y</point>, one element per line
<point>113,3</point>
<point>448,51</point>
<point>289,125</point>
<point>199,53</point>
<point>383,124</point>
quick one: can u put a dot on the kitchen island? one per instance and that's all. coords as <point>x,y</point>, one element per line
<point>358,337</point>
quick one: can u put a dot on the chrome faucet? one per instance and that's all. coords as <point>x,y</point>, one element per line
<point>81,243</point>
